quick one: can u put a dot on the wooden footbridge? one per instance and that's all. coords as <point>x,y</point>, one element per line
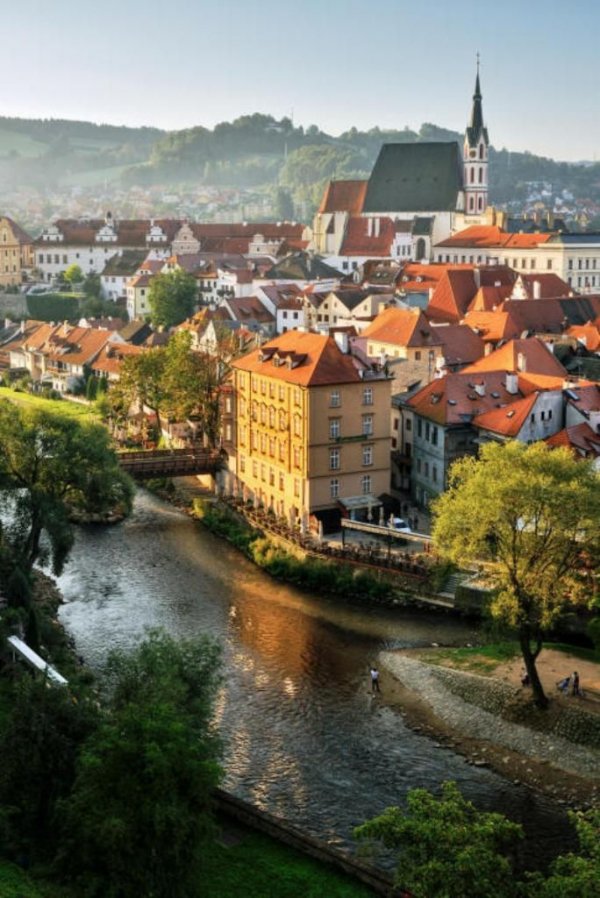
<point>149,463</point>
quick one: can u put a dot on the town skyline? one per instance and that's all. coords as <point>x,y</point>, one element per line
<point>392,81</point>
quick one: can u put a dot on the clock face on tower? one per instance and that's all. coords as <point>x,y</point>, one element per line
<point>472,154</point>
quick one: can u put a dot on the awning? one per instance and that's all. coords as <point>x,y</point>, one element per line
<point>353,503</point>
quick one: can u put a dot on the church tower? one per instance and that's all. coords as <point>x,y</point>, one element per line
<point>475,157</point>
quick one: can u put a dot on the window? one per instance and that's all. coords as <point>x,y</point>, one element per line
<point>296,457</point>
<point>549,414</point>
<point>418,466</point>
<point>263,443</point>
<point>335,399</point>
<point>263,387</point>
<point>434,436</point>
<point>434,473</point>
<point>418,356</point>
<point>263,473</point>
<point>334,459</point>
<point>297,425</point>
<point>368,396</point>
<point>272,447</point>
<point>281,392</point>
<point>297,396</point>
<point>271,417</point>
<point>408,425</point>
<point>570,264</point>
<point>365,483</point>
<point>549,264</point>
<point>334,488</point>
<point>334,428</point>
<point>420,427</point>
<point>271,477</point>
<point>281,481</point>
<point>367,425</point>
<point>367,455</point>
<point>426,469</point>
<point>254,469</point>
<point>427,430</point>
<point>532,418</point>
<point>242,464</point>
<point>296,488</point>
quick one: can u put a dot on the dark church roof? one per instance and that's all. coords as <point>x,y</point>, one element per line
<point>476,128</point>
<point>415,177</point>
<point>303,267</point>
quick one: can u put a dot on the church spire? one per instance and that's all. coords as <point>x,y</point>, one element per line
<point>475,155</point>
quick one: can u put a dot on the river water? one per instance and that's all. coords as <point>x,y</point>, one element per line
<point>304,738</point>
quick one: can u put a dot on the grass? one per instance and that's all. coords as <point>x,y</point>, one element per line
<point>483,659</point>
<point>57,406</point>
<point>258,866</point>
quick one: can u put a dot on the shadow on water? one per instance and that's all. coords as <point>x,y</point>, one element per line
<point>304,737</point>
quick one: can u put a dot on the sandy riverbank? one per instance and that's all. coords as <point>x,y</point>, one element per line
<point>533,754</point>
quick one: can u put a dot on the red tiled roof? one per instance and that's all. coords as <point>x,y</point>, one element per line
<point>317,359</point>
<point>529,356</point>
<point>550,285</point>
<point>585,397</point>
<point>588,334</point>
<point>492,326</point>
<point>244,308</point>
<point>112,355</point>
<point>344,196</point>
<point>489,298</point>
<point>454,398</point>
<point>461,345</point>
<point>490,236</point>
<point>452,295</point>
<point>358,242</point>
<point>581,439</point>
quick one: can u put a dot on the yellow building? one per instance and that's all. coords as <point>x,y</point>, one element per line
<point>312,431</point>
<point>16,252</point>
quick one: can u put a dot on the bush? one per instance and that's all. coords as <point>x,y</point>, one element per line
<point>52,307</point>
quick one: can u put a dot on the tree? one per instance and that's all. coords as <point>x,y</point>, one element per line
<point>283,204</point>
<point>141,383</point>
<point>533,515</point>
<point>49,466</point>
<point>139,815</point>
<point>172,297</point>
<point>73,274</point>
<point>39,742</point>
<point>92,286</point>
<point>447,848</point>
<point>573,875</point>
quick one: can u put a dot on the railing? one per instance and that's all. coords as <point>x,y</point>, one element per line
<point>149,463</point>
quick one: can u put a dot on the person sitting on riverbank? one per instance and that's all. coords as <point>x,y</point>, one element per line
<point>524,678</point>
<point>563,685</point>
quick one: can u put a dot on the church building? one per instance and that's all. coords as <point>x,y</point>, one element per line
<point>418,194</point>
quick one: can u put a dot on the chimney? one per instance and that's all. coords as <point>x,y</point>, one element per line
<point>341,338</point>
<point>369,227</point>
<point>22,326</point>
<point>521,362</point>
<point>480,389</point>
<point>512,384</point>
<point>382,358</point>
<point>488,349</point>
<point>376,227</point>
<point>537,290</point>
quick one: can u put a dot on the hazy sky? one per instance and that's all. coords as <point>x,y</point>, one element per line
<point>334,63</point>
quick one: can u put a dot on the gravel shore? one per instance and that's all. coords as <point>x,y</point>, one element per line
<point>439,688</point>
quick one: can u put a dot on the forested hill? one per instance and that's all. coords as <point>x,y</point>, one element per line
<point>252,151</point>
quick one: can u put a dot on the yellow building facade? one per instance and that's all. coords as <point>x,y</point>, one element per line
<point>16,252</point>
<point>312,429</point>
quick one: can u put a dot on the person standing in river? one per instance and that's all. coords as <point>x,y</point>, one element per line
<point>375,680</point>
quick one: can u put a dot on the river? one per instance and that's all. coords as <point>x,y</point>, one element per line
<point>304,738</point>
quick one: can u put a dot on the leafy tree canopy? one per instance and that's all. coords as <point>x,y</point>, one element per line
<point>172,297</point>
<point>532,515</point>
<point>446,847</point>
<point>139,814</point>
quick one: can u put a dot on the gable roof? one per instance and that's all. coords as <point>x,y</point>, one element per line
<point>581,439</point>
<point>587,334</point>
<point>492,326</point>
<point>415,177</point>
<point>358,242</point>
<point>452,295</point>
<point>344,196</point>
<point>302,267</point>
<point>456,399</point>
<point>460,344</point>
<point>489,236</point>
<point>530,355</point>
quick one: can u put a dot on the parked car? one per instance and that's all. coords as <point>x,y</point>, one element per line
<point>401,525</point>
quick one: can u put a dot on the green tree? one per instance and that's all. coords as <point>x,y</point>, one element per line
<point>283,204</point>
<point>172,297</point>
<point>73,275</point>
<point>533,516</point>
<point>446,847</point>
<point>573,875</point>
<point>39,742</point>
<point>139,815</point>
<point>50,465</point>
<point>141,383</point>
<point>92,286</point>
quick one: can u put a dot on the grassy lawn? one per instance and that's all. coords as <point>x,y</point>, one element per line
<point>58,406</point>
<point>255,867</point>
<point>484,659</point>
<point>258,866</point>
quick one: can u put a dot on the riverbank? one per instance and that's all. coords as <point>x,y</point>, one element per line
<point>490,720</point>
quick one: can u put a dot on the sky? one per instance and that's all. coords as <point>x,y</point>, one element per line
<point>333,63</point>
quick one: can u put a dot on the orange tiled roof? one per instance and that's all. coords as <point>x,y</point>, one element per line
<point>492,326</point>
<point>402,327</point>
<point>489,298</point>
<point>111,357</point>
<point>490,236</point>
<point>344,196</point>
<point>75,345</point>
<point>529,356</point>
<point>509,419</point>
<point>587,334</point>
<point>452,295</point>
<point>456,398</point>
<point>315,360</point>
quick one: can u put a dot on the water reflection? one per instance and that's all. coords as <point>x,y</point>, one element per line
<point>305,739</point>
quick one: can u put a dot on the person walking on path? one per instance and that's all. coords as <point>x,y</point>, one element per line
<point>575,690</point>
<point>375,680</point>
<point>563,685</point>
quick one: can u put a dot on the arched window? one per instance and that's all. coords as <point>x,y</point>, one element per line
<point>480,203</point>
<point>421,248</point>
<point>481,151</point>
<point>471,203</point>
<point>481,176</point>
<point>472,175</point>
